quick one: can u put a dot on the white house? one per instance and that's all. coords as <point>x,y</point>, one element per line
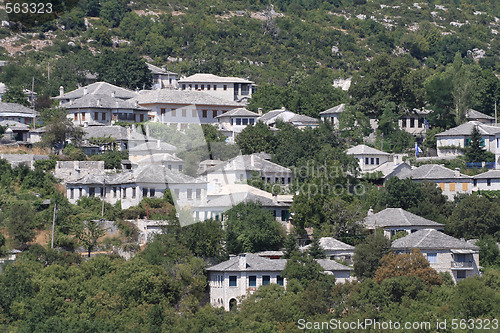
<point>334,249</point>
<point>231,123</point>
<point>241,275</point>
<point>300,121</point>
<point>182,107</point>
<point>228,88</point>
<point>332,115</point>
<point>413,122</point>
<point>96,88</point>
<point>450,181</point>
<point>487,181</point>
<point>163,78</point>
<point>369,158</point>
<point>444,253</point>
<point>393,220</point>
<point>452,142</point>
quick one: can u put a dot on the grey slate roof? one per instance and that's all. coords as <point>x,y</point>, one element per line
<point>100,101</point>
<point>332,244</point>
<point>110,179</point>
<point>101,88</point>
<point>257,263</point>
<point>239,112</point>
<point>183,97</point>
<point>302,119</point>
<point>209,78</point>
<point>14,125</point>
<point>431,239</point>
<point>244,162</point>
<point>157,70</point>
<point>473,114</point>
<point>488,174</point>
<point>335,110</point>
<point>6,109</point>
<point>435,171</point>
<point>158,174</point>
<point>237,197</point>
<point>153,147</point>
<point>365,150</point>
<point>466,129</point>
<point>22,157</point>
<point>398,217</point>
<point>115,132</point>
<point>159,158</point>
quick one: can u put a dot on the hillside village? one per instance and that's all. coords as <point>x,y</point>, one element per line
<point>140,192</point>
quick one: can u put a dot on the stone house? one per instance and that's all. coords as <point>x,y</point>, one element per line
<point>162,78</point>
<point>444,253</point>
<point>369,158</point>
<point>300,121</point>
<point>332,115</point>
<point>334,249</point>
<point>17,113</point>
<point>233,122</point>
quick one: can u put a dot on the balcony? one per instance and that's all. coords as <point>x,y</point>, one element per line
<point>462,265</point>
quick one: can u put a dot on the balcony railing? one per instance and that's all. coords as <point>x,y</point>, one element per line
<point>462,264</point>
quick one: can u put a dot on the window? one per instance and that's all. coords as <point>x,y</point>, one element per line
<point>266,279</point>
<point>176,192</point>
<point>245,121</point>
<point>102,192</point>
<point>144,192</point>
<point>412,122</point>
<point>204,113</point>
<point>214,113</point>
<point>198,193</point>
<point>465,187</point>
<point>488,182</point>
<point>279,280</point>
<point>284,215</point>
<point>79,192</point>
<point>252,281</point>
<point>202,87</point>
<point>76,118</point>
<point>367,160</point>
<point>194,113</point>
<point>233,281</point>
<point>238,121</point>
<point>173,113</point>
<point>141,117</point>
<point>372,160</point>
<point>183,113</point>
<point>251,121</point>
<point>103,116</point>
<point>71,194</point>
<point>195,87</point>
<point>190,194</point>
<point>461,275</point>
<point>498,142</point>
<point>378,160</point>
<point>133,192</point>
<point>163,111</point>
<point>180,167</point>
<point>431,258</point>
<point>452,187</point>
<point>183,87</point>
<point>114,192</point>
<point>225,87</point>
<point>124,193</point>
<point>83,116</point>
<point>403,122</point>
<point>475,182</point>
<point>420,123</point>
<point>91,191</point>
<point>215,87</point>
<point>208,87</point>
<point>441,185</point>
<point>96,115</point>
<point>152,192</point>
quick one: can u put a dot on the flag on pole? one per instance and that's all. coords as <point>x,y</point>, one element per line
<point>417,150</point>
<point>426,123</point>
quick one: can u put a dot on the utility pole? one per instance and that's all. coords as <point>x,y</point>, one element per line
<point>53,225</point>
<point>496,112</point>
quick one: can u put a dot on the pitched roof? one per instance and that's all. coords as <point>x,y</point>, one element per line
<point>184,97</point>
<point>231,199</point>
<point>473,114</point>
<point>159,158</point>
<point>335,110</point>
<point>115,132</point>
<point>255,162</point>
<point>9,109</point>
<point>200,77</point>
<point>431,239</point>
<point>159,174</point>
<point>332,265</point>
<point>397,217</point>
<point>110,179</point>
<point>435,171</point>
<point>302,119</point>
<point>283,114</point>
<point>157,70</point>
<point>331,244</point>
<point>488,174</point>
<point>100,101</point>
<point>14,125</point>
<point>101,88</point>
<point>466,129</point>
<point>153,147</point>
<point>365,150</point>
<point>238,112</point>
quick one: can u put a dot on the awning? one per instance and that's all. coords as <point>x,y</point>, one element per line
<point>463,251</point>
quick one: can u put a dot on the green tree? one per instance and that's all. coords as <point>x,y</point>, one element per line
<point>302,267</point>
<point>256,139</point>
<point>88,233</point>
<point>367,255</point>
<point>60,130</point>
<point>342,218</point>
<point>290,245</point>
<point>401,193</point>
<point>2,244</point>
<point>20,224</point>
<point>205,239</point>
<point>475,152</point>
<point>124,69</point>
<point>315,250</point>
<point>489,252</point>
<point>252,228</point>
<point>15,94</point>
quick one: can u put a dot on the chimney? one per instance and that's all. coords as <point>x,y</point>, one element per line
<point>457,172</point>
<point>133,127</point>
<point>98,102</point>
<point>136,103</point>
<point>259,111</point>
<point>113,94</point>
<point>61,90</point>
<point>158,144</point>
<point>147,131</point>
<point>275,198</point>
<point>370,211</point>
<point>252,160</point>
<point>84,91</point>
<point>242,261</point>
<point>128,133</point>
